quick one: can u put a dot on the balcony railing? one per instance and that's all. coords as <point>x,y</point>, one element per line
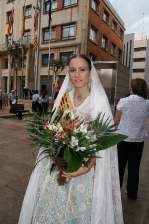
<point>4,46</point>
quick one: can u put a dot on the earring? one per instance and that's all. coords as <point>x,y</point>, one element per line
<point>89,82</point>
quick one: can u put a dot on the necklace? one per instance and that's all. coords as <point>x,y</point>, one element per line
<point>79,97</point>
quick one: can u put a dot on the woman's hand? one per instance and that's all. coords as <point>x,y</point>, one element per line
<point>82,170</point>
<point>60,162</point>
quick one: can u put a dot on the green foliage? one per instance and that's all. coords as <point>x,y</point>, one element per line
<point>57,66</point>
<point>15,49</point>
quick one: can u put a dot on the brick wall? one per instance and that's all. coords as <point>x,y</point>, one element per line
<point>96,20</point>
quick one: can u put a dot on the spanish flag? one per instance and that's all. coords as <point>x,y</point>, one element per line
<point>23,20</point>
<point>35,42</point>
<point>10,24</point>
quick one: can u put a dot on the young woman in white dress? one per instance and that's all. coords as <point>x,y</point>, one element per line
<point>92,194</point>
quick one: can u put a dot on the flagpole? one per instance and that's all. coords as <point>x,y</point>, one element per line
<point>11,61</point>
<point>39,5</point>
<point>23,30</point>
<point>49,24</point>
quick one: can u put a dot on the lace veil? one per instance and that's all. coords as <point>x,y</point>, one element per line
<point>106,207</point>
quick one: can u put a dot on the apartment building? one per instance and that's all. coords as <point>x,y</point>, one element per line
<point>136,57</point>
<point>92,27</point>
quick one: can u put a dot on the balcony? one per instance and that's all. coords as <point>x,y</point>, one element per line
<point>3,47</point>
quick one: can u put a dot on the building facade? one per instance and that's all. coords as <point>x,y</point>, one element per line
<point>136,57</point>
<point>91,27</point>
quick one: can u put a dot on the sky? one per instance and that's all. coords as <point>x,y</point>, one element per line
<point>135,14</point>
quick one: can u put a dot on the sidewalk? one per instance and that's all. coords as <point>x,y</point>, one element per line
<point>17,161</point>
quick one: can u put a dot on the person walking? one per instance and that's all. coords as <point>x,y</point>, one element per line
<point>44,101</point>
<point>36,106</point>
<point>11,97</point>
<point>130,117</point>
<point>1,98</point>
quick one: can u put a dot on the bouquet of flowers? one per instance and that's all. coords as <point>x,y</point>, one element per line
<point>72,139</point>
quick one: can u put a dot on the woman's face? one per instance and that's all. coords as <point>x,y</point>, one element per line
<point>79,73</point>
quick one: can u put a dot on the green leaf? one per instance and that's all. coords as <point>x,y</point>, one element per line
<point>67,154</point>
<point>110,141</point>
<point>73,163</point>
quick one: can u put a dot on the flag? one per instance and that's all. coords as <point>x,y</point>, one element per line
<point>50,12</point>
<point>23,20</point>
<point>35,42</point>
<point>35,21</point>
<point>35,31</point>
<point>57,85</point>
<point>10,23</point>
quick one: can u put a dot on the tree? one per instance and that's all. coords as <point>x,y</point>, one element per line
<point>57,66</point>
<point>16,50</point>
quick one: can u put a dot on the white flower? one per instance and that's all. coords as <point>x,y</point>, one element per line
<point>83,128</point>
<point>93,146</point>
<point>74,141</point>
<point>59,127</point>
<point>80,149</point>
<point>93,138</point>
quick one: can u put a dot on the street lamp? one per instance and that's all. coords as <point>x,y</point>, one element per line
<point>37,9</point>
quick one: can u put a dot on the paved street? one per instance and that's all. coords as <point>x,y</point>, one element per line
<point>17,161</point>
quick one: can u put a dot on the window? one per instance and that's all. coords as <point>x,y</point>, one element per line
<point>10,1</point>
<point>46,34</point>
<point>9,39</point>
<point>27,36</point>
<point>47,4</point>
<point>28,11</point>
<point>66,56</point>
<point>119,54</point>
<point>140,49</point>
<point>104,43</point>
<point>95,6</point>
<point>6,63</point>
<point>8,16</point>
<point>113,48</point>
<point>139,59</point>
<point>138,70</point>
<point>92,57</point>
<point>121,34</point>
<point>45,59</point>
<point>114,26</point>
<point>68,31</point>
<point>93,34</point>
<point>106,17</point>
<point>68,3</point>
<point>24,62</point>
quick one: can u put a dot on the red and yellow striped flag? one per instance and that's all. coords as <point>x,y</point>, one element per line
<point>35,21</point>
<point>23,20</point>
<point>35,42</point>
<point>10,24</point>
<point>35,31</point>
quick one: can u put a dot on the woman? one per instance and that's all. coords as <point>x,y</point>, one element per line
<point>5,99</point>
<point>44,101</point>
<point>92,194</point>
<point>36,106</point>
<point>130,116</point>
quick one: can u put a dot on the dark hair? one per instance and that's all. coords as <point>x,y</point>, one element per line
<point>35,91</point>
<point>44,93</point>
<point>83,56</point>
<point>139,87</point>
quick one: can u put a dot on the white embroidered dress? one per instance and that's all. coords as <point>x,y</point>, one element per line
<point>93,198</point>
